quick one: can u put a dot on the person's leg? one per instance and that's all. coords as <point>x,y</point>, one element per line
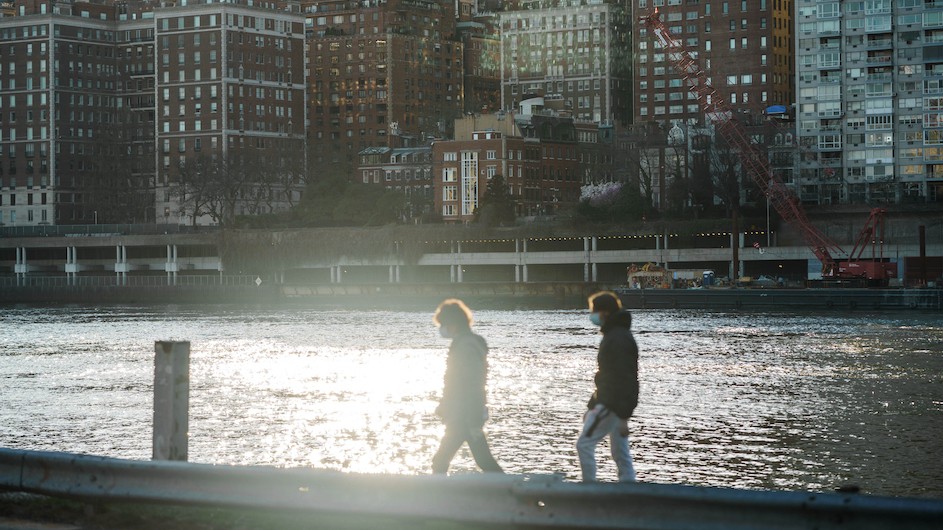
<point>594,429</point>
<point>622,455</point>
<point>482,453</point>
<point>451,442</point>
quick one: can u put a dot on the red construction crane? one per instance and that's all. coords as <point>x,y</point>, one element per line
<point>756,165</point>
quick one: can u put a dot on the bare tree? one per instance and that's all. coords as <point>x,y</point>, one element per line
<point>250,180</point>
<point>195,186</point>
<point>282,175</point>
<point>646,159</point>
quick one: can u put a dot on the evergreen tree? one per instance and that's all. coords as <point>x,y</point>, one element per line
<point>497,206</point>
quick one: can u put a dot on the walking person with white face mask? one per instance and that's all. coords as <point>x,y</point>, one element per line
<point>462,407</point>
<point>617,388</point>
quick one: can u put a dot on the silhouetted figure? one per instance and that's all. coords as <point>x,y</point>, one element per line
<point>616,394</point>
<point>462,407</point>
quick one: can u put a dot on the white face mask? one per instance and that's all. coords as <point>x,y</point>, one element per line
<point>444,333</point>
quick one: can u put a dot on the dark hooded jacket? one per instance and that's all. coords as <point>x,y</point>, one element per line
<point>466,369</point>
<point>617,378</point>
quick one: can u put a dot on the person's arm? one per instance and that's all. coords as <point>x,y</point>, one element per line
<point>448,390</point>
<point>464,379</point>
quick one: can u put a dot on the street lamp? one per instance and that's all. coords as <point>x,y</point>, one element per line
<point>769,185</point>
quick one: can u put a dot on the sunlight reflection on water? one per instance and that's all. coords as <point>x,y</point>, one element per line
<point>728,399</point>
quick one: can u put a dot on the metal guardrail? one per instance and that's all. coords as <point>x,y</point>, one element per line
<point>63,282</point>
<point>541,501</point>
<point>101,230</point>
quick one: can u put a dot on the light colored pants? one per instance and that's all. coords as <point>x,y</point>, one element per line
<point>455,436</point>
<point>600,422</point>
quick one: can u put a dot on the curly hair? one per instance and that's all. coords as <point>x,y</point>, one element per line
<point>453,312</point>
<point>605,301</point>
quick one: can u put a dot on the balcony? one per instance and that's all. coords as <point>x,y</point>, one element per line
<point>878,44</point>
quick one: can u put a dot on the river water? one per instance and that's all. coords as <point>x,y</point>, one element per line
<point>813,401</point>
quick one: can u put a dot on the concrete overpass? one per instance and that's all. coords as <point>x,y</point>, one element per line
<point>76,257</point>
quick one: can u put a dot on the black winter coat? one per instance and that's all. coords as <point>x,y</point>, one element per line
<point>616,380</point>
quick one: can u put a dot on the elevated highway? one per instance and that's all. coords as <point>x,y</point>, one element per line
<point>603,259</point>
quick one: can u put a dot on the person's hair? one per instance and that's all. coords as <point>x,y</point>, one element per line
<point>453,312</point>
<point>604,301</point>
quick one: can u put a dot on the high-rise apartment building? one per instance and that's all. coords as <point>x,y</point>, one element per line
<point>381,74</point>
<point>870,101</point>
<point>76,115</point>
<point>132,175</point>
<point>231,111</point>
<point>479,32</point>
<point>746,47</point>
<point>576,51</point>
<point>105,106</point>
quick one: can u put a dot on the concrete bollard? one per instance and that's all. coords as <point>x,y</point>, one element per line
<point>171,400</point>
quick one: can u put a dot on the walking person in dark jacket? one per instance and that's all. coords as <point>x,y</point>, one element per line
<point>616,392</point>
<point>462,407</point>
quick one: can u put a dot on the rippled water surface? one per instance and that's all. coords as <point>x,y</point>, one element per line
<point>728,399</point>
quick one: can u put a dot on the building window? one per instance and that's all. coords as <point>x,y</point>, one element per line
<point>449,193</point>
<point>469,182</point>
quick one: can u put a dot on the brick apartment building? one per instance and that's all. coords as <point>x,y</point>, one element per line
<point>746,46</point>
<point>406,170</point>
<point>536,152</point>
<point>484,146</point>
<point>104,105</point>
<point>77,116</point>
<point>231,101</point>
<point>382,74</point>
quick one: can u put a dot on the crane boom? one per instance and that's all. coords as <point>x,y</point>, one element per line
<point>753,161</point>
